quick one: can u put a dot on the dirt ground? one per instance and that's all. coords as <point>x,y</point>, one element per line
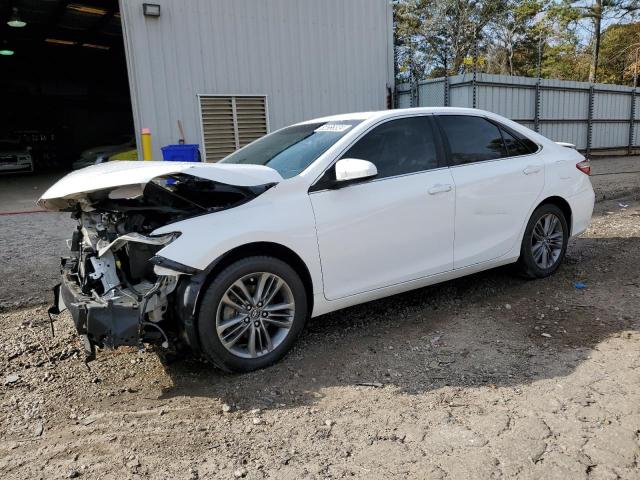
<point>31,242</point>
<point>489,376</point>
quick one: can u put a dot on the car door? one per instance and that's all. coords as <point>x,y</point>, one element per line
<point>498,178</point>
<point>395,227</point>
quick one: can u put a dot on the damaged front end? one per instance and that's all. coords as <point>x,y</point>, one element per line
<point>117,289</point>
<point>112,292</point>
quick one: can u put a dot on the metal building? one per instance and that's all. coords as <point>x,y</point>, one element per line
<point>231,70</point>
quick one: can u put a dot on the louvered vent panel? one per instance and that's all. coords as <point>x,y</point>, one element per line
<point>218,127</point>
<point>229,123</point>
<point>251,118</point>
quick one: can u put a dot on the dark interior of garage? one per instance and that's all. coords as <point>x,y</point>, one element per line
<point>63,78</point>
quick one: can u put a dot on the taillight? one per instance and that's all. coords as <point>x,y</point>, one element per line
<point>584,166</point>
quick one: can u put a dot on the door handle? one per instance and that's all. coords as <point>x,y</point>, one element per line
<point>438,188</point>
<point>531,169</point>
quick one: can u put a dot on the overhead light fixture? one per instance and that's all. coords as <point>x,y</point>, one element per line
<point>98,47</point>
<point>151,9</point>
<point>15,20</point>
<point>5,50</point>
<point>58,41</point>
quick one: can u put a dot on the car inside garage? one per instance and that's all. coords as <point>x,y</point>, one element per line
<point>64,87</point>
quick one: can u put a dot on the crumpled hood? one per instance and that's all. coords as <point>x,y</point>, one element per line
<point>75,186</point>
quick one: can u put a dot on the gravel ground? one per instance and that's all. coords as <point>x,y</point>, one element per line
<point>488,376</point>
<point>30,243</point>
<point>30,249</point>
<point>610,180</point>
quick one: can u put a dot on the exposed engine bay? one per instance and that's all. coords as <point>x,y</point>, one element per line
<point>118,290</point>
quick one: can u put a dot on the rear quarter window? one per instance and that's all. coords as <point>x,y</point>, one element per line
<point>518,145</point>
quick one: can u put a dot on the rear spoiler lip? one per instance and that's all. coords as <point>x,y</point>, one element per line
<point>567,145</point>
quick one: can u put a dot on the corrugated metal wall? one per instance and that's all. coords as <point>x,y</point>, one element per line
<point>563,115</point>
<point>310,58</point>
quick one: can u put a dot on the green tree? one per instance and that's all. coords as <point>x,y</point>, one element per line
<point>527,26</point>
<point>597,12</point>
<point>513,34</point>
<point>619,54</point>
<point>564,53</point>
<point>432,34</point>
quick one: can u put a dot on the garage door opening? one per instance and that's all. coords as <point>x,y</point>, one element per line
<point>64,85</point>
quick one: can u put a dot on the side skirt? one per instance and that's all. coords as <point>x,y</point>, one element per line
<point>321,305</point>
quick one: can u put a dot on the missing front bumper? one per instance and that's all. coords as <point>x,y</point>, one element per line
<point>110,323</point>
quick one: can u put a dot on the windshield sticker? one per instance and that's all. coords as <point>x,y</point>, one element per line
<point>333,127</point>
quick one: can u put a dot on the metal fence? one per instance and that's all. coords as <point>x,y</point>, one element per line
<point>591,116</point>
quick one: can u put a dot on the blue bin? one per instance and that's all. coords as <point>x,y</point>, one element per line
<point>181,153</point>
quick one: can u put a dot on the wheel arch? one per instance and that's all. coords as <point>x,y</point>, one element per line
<point>270,249</point>
<point>190,288</point>
<point>563,205</point>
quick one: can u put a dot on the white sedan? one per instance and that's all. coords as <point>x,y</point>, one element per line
<point>232,258</point>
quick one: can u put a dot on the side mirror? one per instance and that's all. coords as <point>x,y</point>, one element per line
<point>351,169</point>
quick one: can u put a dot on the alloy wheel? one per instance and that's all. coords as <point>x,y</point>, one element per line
<point>547,241</point>
<point>255,315</point>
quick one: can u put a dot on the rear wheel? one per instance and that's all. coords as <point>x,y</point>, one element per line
<point>544,243</point>
<point>251,314</point>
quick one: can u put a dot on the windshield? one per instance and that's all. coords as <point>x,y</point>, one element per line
<point>290,150</point>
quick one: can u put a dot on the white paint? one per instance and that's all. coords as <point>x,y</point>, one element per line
<point>354,169</point>
<point>76,185</point>
<point>384,236</point>
<point>380,237</point>
<point>493,199</point>
<point>384,232</point>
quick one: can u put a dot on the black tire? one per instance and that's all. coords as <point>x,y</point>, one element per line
<point>527,265</point>
<point>211,344</point>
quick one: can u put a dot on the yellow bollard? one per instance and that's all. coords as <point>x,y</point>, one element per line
<point>145,137</point>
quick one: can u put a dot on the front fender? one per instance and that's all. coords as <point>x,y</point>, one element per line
<point>282,216</point>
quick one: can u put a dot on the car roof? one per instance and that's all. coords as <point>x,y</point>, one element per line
<point>369,118</point>
<point>398,112</point>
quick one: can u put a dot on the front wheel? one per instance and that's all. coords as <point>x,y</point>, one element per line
<point>251,314</point>
<point>544,243</point>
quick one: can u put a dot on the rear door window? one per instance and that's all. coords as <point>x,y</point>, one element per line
<point>472,139</point>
